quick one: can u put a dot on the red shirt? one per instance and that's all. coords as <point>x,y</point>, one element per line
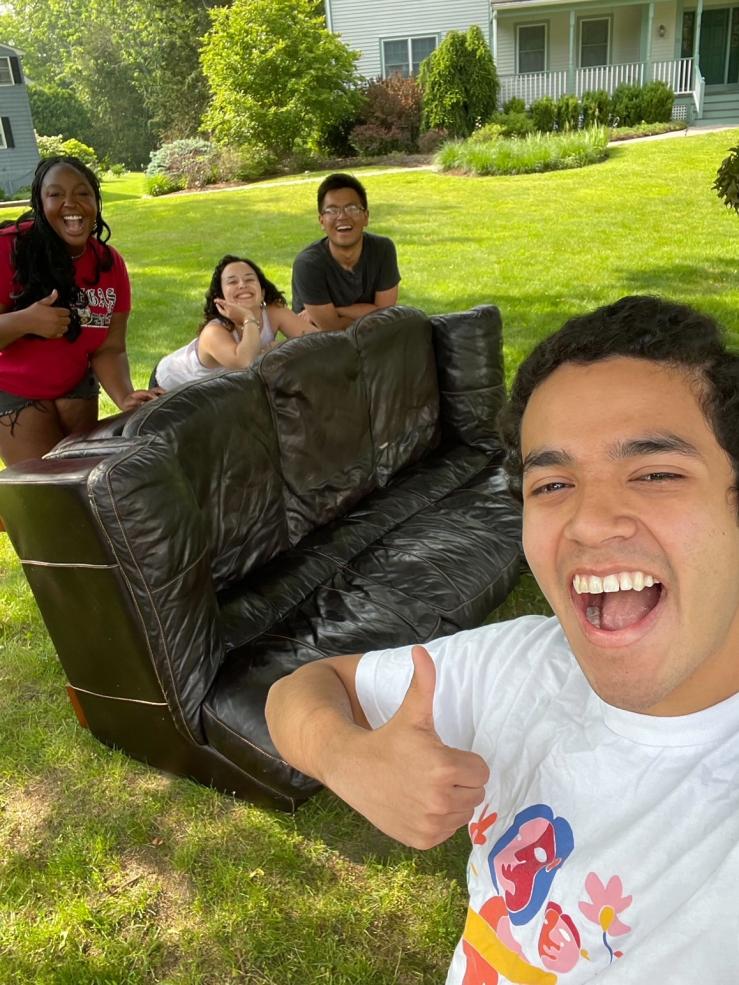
<point>44,369</point>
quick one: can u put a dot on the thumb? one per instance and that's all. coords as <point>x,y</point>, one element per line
<point>418,704</point>
<point>50,298</point>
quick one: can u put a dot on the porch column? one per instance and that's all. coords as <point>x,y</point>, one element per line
<point>648,51</point>
<point>571,55</point>
<point>697,33</point>
<point>494,35</point>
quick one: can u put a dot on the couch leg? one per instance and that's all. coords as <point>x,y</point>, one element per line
<point>75,701</point>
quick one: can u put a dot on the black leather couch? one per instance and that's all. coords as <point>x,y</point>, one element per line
<point>344,493</point>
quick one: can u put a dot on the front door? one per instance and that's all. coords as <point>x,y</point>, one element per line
<point>714,35</point>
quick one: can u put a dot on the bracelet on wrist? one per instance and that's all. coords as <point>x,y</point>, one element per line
<point>250,321</point>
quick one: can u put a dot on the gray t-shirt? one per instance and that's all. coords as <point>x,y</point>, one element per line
<point>319,279</point>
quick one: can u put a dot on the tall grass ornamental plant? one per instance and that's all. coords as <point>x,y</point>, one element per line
<point>534,153</point>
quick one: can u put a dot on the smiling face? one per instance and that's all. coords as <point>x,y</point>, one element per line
<point>344,230</point>
<point>69,205</point>
<point>630,528</point>
<point>240,285</point>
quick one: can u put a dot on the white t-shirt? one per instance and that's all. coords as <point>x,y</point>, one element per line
<point>607,843</point>
<point>184,364</point>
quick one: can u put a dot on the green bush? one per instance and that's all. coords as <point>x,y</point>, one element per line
<point>544,114</point>
<point>117,169</point>
<point>491,131</point>
<point>459,84</point>
<point>514,105</point>
<point>191,161</point>
<point>656,102</point>
<point>596,108</point>
<point>163,184</point>
<point>626,105</point>
<point>568,113</point>
<point>513,124</point>
<point>535,152</point>
<point>646,130</point>
<point>727,180</point>
<point>51,146</point>
<point>246,163</point>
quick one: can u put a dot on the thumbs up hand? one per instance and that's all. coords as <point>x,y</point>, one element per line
<point>404,779</point>
<point>45,319</point>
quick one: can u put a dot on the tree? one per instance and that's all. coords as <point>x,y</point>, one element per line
<point>132,64</point>
<point>459,83</point>
<point>59,111</point>
<point>278,77</point>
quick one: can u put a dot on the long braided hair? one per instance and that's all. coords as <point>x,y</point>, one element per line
<point>40,257</point>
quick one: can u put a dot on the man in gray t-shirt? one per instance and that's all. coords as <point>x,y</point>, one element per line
<point>349,272</point>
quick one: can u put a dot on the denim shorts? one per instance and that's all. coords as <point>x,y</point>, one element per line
<point>11,405</point>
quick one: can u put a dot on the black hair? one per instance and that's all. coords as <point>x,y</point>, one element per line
<point>272,294</point>
<point>40,257</point>
<point>340,180</point>
<point>648,328</point>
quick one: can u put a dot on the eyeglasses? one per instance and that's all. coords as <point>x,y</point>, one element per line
<point>334,211</point>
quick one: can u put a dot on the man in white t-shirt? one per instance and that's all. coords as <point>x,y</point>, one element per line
<point>594,756</point>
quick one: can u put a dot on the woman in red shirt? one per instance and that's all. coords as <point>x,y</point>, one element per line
<point>64,305</point>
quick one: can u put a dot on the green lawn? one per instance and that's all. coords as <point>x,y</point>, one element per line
<point>111,873</point>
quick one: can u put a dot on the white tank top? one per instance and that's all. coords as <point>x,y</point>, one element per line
<point>184,364</point>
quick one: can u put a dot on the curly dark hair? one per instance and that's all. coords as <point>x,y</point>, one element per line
<point>272,294</point>
<point>648,328</point>
<point>40,257</point>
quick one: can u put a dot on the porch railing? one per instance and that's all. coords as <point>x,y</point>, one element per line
<point>532,86</point>
<point>608,76</point>
<point>678,74</point>
<point>698,92</point>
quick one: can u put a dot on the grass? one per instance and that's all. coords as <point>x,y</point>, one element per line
<point>113,874</point>
<point>533,153</point>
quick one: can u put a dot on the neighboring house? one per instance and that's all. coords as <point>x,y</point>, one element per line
<point>552,47</point>
<point>18,152</point>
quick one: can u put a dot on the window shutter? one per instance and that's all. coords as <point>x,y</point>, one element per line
<point>15,69</point>
<point>7,131</point>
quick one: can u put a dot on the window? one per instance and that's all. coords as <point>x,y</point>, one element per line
<point>6,74</point>
<point>403,56</point>
<point>532,48</point>
<point>594,38</point>
<point>688,34</point>
<point>6,134</point>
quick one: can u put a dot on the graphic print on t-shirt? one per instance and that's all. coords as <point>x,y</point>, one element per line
<point>523,864</point>
<point>102,300</point>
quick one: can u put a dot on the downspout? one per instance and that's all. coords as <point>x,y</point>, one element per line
<point>329,19</point>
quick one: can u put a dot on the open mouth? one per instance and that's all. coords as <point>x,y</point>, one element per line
<point>74,224</point>
<point>616,601</point>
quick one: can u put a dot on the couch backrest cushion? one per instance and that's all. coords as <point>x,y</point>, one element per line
<point>400,377</point>
<point>469,357</point>
<point>220,430</point>
<point>321,419</point>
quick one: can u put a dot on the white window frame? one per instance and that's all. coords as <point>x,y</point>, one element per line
<point>545,25</point>
<point>609,42</point>
<point>6,59</point>
<point>3,145</point>
<point>408,38</point>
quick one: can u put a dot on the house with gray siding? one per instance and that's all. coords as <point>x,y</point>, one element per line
<point>553,47</point>
<point>18,152</point>
<point>394,36</point>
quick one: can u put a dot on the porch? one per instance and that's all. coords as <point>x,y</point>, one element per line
<point>557,47</point>
<point>677,73</point>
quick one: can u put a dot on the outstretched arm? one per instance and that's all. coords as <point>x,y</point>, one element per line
<point>401,776</point>
<point>110,363</point>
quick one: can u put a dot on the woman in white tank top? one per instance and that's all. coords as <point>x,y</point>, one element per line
<point>243,313</point>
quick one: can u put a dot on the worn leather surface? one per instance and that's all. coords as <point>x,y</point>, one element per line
<point>345,493</point>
